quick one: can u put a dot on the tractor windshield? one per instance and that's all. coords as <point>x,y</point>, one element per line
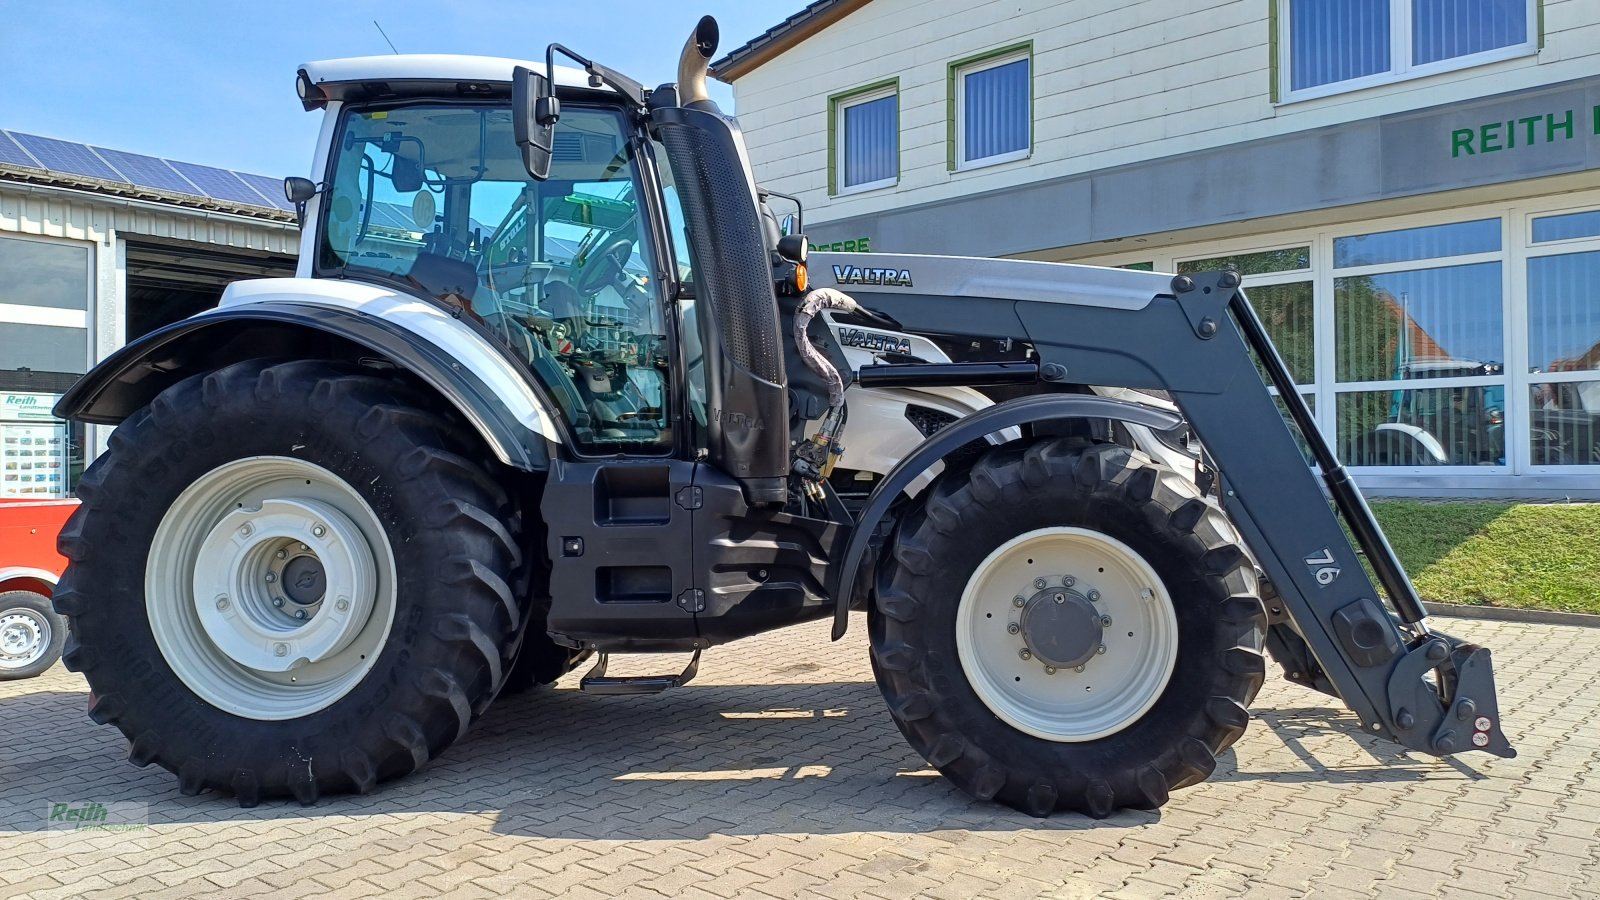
<point>435,199</point>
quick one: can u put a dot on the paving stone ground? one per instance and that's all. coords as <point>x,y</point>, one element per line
<point>779,774</point>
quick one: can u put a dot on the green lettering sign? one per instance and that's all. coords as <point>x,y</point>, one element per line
<point>1492,137</point>
<point>858,245</point>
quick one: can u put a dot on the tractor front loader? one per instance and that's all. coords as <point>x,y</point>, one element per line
<point>550,384</point>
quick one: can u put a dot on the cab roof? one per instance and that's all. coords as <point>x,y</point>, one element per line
<point>363,77</point>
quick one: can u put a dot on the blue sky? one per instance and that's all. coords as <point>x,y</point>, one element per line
<point>213,82</point>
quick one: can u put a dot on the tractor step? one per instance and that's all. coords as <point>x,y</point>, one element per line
<point>596,682</point>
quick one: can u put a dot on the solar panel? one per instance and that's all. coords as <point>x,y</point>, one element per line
<point>12,155</point>
<point>65,156</point>
<point>270,188</point>
<point>147,171</point>
<point>218,183</point>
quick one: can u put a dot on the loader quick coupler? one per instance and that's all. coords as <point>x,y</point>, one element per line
<point>1457,710</point>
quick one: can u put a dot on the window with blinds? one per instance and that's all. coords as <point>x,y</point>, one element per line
<point>867,146</point>
<point>993,108</point>
<point>1338,45</point>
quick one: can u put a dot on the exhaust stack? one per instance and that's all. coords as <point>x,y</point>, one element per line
<point>694,62</point>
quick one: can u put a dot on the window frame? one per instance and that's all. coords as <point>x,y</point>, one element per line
<point>837,138</point>
<point>956,88</point>
<point>1400,52</point>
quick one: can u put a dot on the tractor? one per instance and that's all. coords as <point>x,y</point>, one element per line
<point>552,384</point>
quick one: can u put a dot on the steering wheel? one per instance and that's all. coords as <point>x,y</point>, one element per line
<point>605,267</point>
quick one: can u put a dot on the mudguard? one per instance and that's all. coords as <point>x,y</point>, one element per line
<point>512,419</point>
<point>1038,408</point>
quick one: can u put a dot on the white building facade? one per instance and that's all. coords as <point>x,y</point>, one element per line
<point>1412,188</point>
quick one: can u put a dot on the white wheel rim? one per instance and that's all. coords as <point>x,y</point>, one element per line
<point>1090,571</point>
<point>24,636</point>
<point>270,587</point>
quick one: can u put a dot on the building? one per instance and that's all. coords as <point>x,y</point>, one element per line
<point>1410,187</point>
<point>98,247</point>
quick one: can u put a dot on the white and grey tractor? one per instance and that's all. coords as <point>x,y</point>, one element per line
<point>551,384</point>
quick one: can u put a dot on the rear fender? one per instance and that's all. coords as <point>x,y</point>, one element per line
<point>1039,408</point>
<point>359,320</point>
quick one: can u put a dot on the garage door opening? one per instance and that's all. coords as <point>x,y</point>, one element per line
<point>172,280</point>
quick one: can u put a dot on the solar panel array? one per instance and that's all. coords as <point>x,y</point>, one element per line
<point>121,167</point>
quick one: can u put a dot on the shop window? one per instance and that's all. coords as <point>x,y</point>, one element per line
<point>865,151</point>
<point>1407,244</point>
<point>1564,313</point>
<point>1424,323</point>
<point>992,96</point>
<point>1445,426</point>
<point>1264,262</point>
<point>1565,423</point>
<point>44,348</point>
<point>1567,227</point>
<point>1336,45</point>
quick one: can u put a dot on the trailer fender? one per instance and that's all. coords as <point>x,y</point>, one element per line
<point>1011,414</point>
<point>425,342</point>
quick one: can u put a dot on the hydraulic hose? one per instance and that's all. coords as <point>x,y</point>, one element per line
<point>813,303</point>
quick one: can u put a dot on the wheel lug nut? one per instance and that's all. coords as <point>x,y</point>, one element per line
<point>278,602</point>
<point>271,577</point>
<point>317,531</point>
<point>304,547</point>
<point>1077,668</point>
<point>246,529</point>
<point>343,604</point>
<point>280,650</point>
<point>1039,583</point>
<point>1013,628</point>
<point>1018,602</point>
<point>1101,649</point>
<point>1025,654</point>
<point>1069,581</point>
<point>222,603</point>
<point>1049,670</point>
<point>280,554</point>
<point>301,615</point>
<point>1105,621</point>
<point>1094,596</point>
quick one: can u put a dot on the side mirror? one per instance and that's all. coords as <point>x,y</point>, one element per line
<point>534,111</point>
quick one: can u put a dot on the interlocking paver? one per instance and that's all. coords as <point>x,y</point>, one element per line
<point>778,774</point>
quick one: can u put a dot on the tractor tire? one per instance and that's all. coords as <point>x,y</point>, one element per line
<point>290,579</point>
<point>31,635</point>
<point>1068,627</point>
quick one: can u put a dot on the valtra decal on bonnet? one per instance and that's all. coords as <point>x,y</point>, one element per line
<point>858,275</point>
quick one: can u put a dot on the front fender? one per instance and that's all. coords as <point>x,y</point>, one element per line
<point>510,417</point>
<point>1014,413</point>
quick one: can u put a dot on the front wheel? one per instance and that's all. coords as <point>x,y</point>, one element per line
<point>289,579</point>
<point>1068,627</point>
<point>31,635</point>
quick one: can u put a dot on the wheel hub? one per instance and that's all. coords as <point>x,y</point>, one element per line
<point>22,639</point>
<point>263,575</point>
<point>1061,628</point>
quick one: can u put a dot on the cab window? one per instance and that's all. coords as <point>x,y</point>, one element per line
<point>434,199</point>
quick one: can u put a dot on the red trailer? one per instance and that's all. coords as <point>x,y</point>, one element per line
<point>31,634</point>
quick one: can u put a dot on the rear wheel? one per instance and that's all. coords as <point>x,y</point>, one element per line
<point>31,635</point>
<point>289,579</point>
<point>1068,627</point>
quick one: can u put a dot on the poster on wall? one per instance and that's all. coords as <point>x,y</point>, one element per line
<point>34,448</point>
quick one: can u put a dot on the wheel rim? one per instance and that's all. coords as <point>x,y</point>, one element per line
<point>1066,634</point>
<point>24,637</point>
<point>270,587</point>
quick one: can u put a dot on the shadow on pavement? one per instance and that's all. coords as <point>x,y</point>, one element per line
<point>801,758</point>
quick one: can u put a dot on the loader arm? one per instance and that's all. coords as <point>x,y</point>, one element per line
<point>1197,338</point>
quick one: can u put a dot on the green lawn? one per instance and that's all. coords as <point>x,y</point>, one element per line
<point>1533,556</point>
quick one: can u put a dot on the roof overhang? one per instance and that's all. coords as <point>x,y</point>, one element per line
<point>782,37</point>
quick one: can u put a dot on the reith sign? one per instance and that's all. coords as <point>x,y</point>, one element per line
<point>1527,131</point>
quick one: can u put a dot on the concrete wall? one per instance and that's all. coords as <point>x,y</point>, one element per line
<point>1116,82</point>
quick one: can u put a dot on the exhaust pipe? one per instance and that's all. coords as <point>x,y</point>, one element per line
<point>695,61</point>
